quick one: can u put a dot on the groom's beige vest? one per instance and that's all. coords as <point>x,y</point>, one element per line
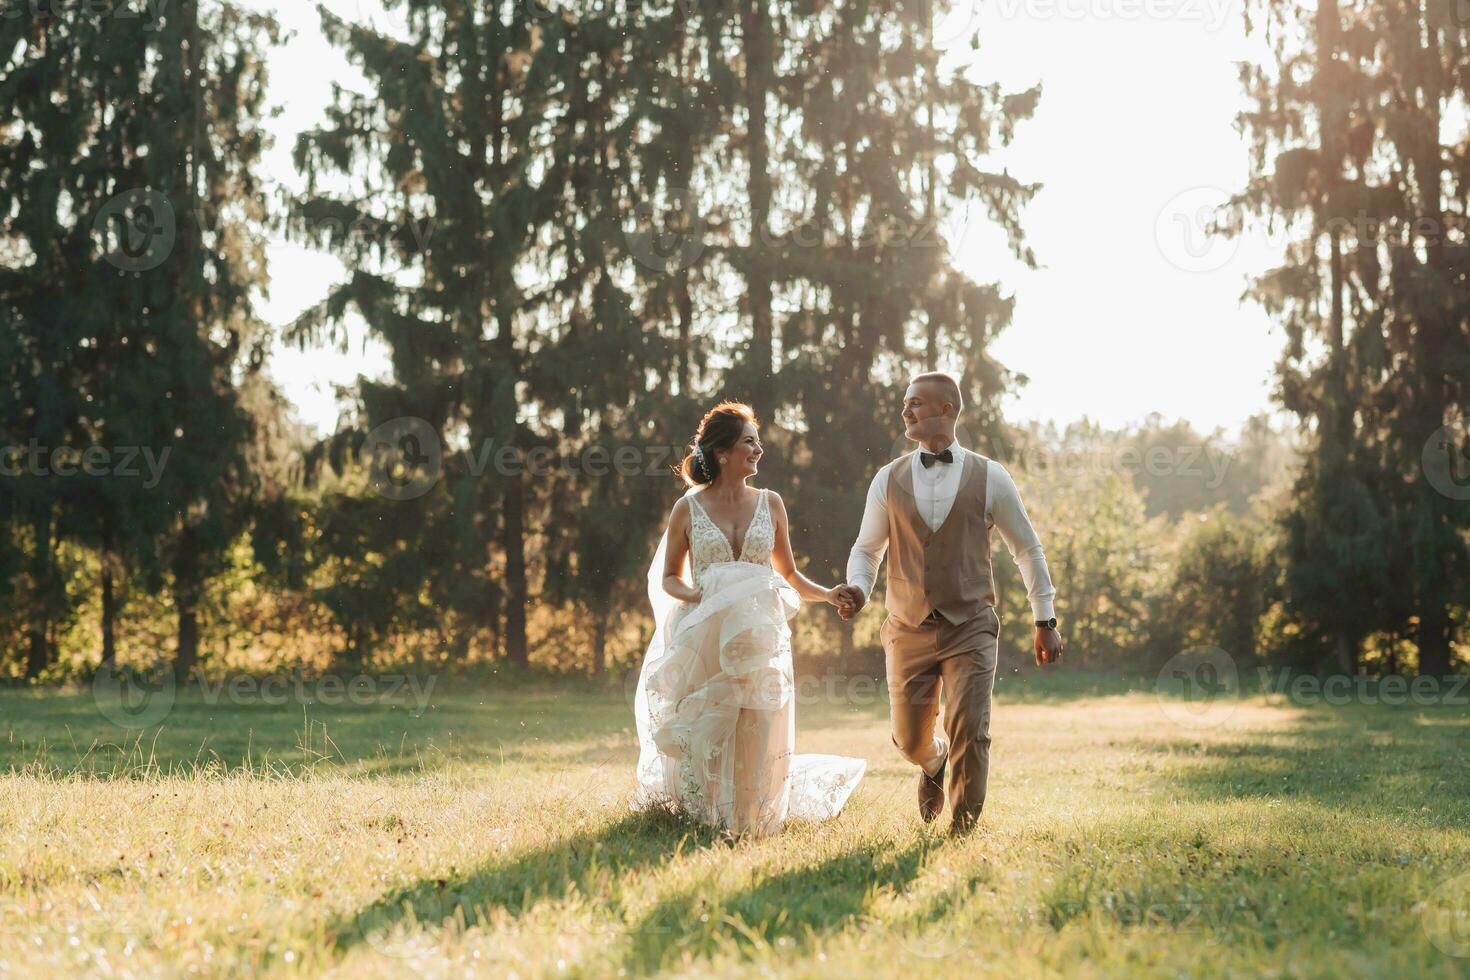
<point>948,569</point>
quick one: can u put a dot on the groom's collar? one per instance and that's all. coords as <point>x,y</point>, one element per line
<point>954,447</point>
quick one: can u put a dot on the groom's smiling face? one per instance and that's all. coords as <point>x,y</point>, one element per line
<point>927,414</point>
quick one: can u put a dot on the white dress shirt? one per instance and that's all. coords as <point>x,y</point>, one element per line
<point>934,492</point>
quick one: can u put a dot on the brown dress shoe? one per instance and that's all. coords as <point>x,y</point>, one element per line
<point>931,793</point>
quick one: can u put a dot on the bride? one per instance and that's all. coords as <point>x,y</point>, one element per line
<point>716,697</point>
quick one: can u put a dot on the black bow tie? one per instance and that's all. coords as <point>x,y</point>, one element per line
<point>928,458</point>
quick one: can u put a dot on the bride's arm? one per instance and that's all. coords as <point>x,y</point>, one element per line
<point>784,563</point>
<point>675,553</point>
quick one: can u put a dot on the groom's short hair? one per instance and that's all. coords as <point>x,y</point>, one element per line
<point>947,383</point>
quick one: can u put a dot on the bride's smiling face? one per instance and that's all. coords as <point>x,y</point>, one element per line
<point>742,459</point>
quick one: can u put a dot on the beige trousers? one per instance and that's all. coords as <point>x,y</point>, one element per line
<point>958,659</point>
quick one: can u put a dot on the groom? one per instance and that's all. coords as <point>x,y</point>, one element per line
<point>932,511</point>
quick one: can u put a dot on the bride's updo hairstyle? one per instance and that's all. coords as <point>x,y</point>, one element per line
<point>721,427</point>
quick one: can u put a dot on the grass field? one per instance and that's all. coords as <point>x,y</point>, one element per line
<point>490,834</point>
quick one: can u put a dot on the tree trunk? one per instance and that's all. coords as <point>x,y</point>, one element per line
<point>1434,563</point>
<point>186,600</point>
<point>599,640</point>
<point>1345,652</point>
<point>513,535</point>
<point>685,305</point>
<point>109,612</point>
<point>756,26</point>
<point>42,570</point>
<point>1434,640</point>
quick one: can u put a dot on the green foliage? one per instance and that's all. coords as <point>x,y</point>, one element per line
<point>1351,156</point>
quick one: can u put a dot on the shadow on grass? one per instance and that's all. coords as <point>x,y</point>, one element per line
<point>1403,763</point>
<point>800,905</point>
<point>573,864</point>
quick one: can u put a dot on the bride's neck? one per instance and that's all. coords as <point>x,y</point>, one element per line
<point>725,488</point>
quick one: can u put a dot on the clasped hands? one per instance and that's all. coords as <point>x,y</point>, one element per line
<point>849,600</point>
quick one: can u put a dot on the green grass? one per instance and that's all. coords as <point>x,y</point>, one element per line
<point>489,834</point>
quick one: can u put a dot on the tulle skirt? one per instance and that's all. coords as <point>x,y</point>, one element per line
<point>716,711</point>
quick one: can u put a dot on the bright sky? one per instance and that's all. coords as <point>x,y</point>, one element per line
<point>1133,312</point>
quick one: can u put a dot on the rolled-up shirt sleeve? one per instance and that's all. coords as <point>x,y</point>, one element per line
<point>1009,516</point>
<point>872,540</point>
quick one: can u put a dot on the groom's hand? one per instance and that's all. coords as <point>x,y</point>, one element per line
<point>853,601</point>
<point>1048,646</point>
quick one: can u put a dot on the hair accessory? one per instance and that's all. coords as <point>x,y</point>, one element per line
<point>699,456</point>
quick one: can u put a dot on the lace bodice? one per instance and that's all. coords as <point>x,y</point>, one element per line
<point>709,545</point>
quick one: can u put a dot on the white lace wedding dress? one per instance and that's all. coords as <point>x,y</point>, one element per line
<point>716,697</point>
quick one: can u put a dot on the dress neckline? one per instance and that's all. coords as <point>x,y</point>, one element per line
<point>745,539</point>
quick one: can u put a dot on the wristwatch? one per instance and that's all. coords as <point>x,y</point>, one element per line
<point>1050,624</point>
